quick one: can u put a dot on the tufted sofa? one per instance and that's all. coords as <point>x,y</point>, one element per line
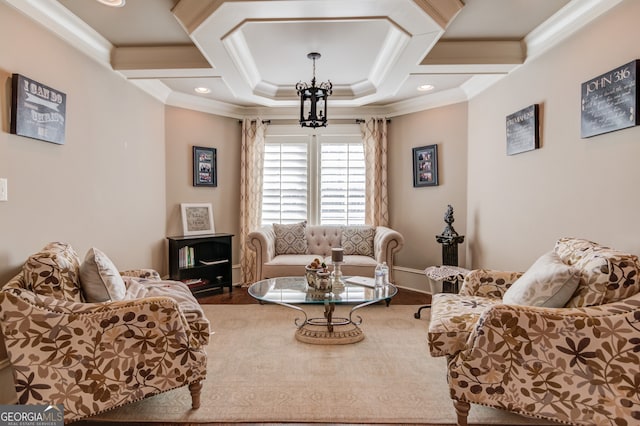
<point>93,356</point>
<point>374,245</point>
<point>577,364</point>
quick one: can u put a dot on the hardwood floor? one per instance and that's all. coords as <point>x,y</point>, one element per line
<point>240,296</point>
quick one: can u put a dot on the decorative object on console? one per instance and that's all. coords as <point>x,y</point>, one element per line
<point>313,99</point>
<point>37,111</point>
<point>425,166</point>
<point>197,219</point>
<point>205,170</point>
<point>523,130</point>
<point>449,274</point>
<point>449,240</point>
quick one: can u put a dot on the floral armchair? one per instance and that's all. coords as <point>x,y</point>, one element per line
<point>577,362</point>
<point>93,356</point>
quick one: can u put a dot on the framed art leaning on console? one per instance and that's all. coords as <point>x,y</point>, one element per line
<point>425,166</point>
<point>197,219</point>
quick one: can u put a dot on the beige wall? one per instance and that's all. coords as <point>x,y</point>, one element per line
<point>519,205</point>
<point>105,186</point>
<point>184,129</point>
<point>418,213</point>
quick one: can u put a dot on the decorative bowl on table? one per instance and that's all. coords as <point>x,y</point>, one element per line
<point>318,276</point>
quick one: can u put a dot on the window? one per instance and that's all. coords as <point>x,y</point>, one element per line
<point>320,179</point>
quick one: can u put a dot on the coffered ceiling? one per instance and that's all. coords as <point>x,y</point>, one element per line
<point>250,54</point>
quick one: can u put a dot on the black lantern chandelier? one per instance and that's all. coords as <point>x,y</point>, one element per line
<point>313,99</point>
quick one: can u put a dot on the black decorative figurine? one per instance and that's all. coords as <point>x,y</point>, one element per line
<point>449,240</point>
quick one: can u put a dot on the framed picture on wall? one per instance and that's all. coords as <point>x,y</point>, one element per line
<point>205,171</point>
<point>197,218</point>
<point>425,166</point>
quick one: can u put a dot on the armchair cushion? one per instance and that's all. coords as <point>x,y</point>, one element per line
<point>607,275</point>
<point>54,271</point>
<point>549,282</point>
<point>453,318</point>
<point>100,279</point>
<point>358,240</point>
<point>291,239</point>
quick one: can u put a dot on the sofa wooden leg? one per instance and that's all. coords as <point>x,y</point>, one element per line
<point>462,410</point>
<point>195,389</point>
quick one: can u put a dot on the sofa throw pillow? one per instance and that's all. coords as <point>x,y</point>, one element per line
<point>54,272</point>
<point>100,279</point>
<point>291,239</point>
<point>358,240</point>
<point>547,283</point>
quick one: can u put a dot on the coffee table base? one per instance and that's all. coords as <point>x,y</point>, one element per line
<point>319,335</point>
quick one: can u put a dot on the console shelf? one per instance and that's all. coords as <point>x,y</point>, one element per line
<point>203,262</point>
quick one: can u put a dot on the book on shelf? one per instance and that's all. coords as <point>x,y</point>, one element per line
<point>186,258</point>
<point>213,262</point>
<point>195,282</point>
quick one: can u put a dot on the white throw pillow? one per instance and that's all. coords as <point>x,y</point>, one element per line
<point>547,283</point>
<point>100,279</point>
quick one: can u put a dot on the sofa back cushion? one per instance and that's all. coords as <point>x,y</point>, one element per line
<point>54,271</point>
<point>358,240</point>
<point>606,275</point>
<point>322,238</point>
<point>290,239</point>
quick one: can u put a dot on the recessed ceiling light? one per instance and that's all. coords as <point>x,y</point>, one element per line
<point>113,3</point>
<point>426,87</point>
<point>202,90</point>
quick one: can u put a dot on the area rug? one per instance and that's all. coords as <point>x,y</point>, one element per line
<point>258,372</point>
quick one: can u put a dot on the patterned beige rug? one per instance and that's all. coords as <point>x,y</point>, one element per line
<point>259,372</point>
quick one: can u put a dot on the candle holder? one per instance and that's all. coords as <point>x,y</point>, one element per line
<point>337,256</point>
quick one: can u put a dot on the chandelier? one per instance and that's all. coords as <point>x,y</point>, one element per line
<point>313,99</point>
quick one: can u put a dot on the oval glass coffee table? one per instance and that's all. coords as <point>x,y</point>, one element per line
<point>329,329</point>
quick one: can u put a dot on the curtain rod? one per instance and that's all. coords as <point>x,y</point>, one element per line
<point>253,121</point>
<point>362,120</point>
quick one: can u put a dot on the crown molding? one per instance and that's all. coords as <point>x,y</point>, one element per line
<point>568,20</point>
<point>191,13</point>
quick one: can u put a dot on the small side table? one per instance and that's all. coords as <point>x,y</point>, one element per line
<point>451,276</point>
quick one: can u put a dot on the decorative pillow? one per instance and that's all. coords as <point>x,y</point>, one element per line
<point>291,239</point>
<point>358,240</point>
<point>548,283</point>
<point>54,271</point>
<point>100,279</point>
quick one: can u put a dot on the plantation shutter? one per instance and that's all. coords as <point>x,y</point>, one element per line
<point>342,184</point>
<point>284,196</point>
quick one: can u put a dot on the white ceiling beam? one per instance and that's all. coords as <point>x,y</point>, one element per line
<point>441,11</point>
<point>158,58</point>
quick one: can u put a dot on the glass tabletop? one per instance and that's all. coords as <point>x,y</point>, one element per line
<point>295,290</point>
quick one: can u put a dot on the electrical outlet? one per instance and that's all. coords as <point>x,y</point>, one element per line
<point>3,189</point>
